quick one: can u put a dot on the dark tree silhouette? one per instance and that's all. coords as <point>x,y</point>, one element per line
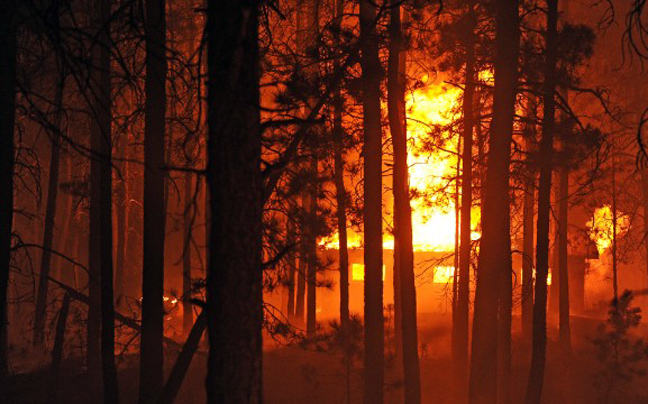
<point>495,249</point>
<point>340,190</point>
<point>403,249</point>
<point>8,29</point>
<point>460,342</point>
<point>372,214</point>
<point>538,353</point>
<point>50,216</point>
<point>151,341</point>
<point>234,277</point>
<point>101,200</point>
<point>527,226</point>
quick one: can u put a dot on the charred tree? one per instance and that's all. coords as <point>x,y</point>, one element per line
<point>539,344</point>
<point>495,251</point>
<point>234,278</point>
<point>8,29</point>
<point>374,360</point>
<point>403,243</point>
<point>151,340</point>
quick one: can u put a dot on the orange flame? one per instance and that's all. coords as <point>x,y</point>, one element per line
<point>430,169</point>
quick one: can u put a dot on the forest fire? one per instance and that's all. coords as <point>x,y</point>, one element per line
<point>432,170</point>
<point>323,201</point>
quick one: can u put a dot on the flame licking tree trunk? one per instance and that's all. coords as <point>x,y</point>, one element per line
<point>234,277</point>
<point>495,251</point>
<point>151,340</point>
<point>539,345</point>
<point>460,329</point>
<point>372,213</point>
<point>403,248</point>
<point>101,238</point>
<point>8,11</point>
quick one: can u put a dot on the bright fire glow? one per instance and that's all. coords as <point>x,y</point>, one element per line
<point>601,231</point>
<point>358,272</point>
<point>443,274</point>
<point>548,276</point>
<point>431,169</point>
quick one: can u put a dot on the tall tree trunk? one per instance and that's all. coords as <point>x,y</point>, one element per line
<point>151,340</point>
<point>101,237</point>
<point>504,338</point>
<point>404,259</point>
<point>8,11</point>
<point>290,257</point>
<point>303,260</point>
<point>563,270</point>
<point>50,216</point>
<point>189,213</point>
<point>311,249</point>
<point>527,259</point>
<point>65,243</point>
<point>463,299</point>
<point>615,271</point>
<point>527,226</point>
<point>539,346</point>
<point>122,218</point>
<point>340,190</point>
<point>97,111</point>
<point>341,199</point>
<point>563,240</point>
<point>307,44</point>
<point>495,250</point>
<point>374,360</point>
<point>234,278</point>
<point>187,309</point>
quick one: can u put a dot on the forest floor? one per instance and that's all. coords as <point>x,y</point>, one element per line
<point>293,375</point>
